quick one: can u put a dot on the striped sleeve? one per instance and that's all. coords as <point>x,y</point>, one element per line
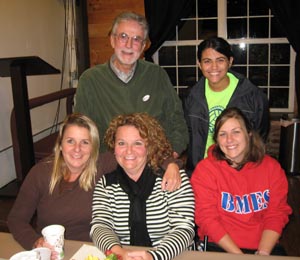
<point>180,236</point>
<point>170,217</point>
<point>102,225</point>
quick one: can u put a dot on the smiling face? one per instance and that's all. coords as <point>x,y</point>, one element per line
<point>76,148</point>
<point>130,151</point>
<point>214,66</point>
<point>127,51</point>
<point>233,140</point>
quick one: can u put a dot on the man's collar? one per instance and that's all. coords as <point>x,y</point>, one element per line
<point>125,77</point>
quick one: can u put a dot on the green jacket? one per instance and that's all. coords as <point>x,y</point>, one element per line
<point>101,95</point>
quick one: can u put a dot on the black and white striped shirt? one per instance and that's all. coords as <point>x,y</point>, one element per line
<point>169,217</point>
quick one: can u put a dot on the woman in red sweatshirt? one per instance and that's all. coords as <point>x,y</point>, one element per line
<point>240,192</point>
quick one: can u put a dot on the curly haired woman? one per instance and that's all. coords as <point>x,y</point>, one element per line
<point>129,205</point>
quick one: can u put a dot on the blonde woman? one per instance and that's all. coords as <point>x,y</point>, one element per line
<point>60,189</point>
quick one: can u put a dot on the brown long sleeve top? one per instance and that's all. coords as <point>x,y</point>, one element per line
<point>69,205</point>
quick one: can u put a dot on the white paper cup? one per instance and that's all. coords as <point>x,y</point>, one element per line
<point>25,255</point>
<point>54,235</point>
<point>44,253</point>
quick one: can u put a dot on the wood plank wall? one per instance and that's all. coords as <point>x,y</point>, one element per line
<point>100,16</point>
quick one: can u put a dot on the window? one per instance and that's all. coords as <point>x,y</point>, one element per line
<point>261,51</point>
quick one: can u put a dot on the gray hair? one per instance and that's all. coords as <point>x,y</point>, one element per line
<point>130,16</point>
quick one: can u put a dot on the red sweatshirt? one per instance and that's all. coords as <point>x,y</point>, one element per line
<point>240,203</point>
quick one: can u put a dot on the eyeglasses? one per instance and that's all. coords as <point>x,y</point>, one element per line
<point>124,38</point>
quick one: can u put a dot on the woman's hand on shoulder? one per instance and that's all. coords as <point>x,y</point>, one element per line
<point>171,180</point>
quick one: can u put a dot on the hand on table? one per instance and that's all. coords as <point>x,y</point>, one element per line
<point>42,243</point>
<point>139,255</point>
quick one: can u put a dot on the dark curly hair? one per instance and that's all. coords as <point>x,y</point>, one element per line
<point>157,144</point>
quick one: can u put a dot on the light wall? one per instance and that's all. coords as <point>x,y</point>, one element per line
<point>29,28</point>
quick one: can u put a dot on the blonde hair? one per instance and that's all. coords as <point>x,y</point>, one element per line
<point>87,177</point>
<point>157,144</point>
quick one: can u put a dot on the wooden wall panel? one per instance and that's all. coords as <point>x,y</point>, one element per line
<point>100,16</point>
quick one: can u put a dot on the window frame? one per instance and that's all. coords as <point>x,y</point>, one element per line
<point>222,32</point>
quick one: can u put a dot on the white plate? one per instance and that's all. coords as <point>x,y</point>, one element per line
<point>86,250</point>
<point>25,255</point>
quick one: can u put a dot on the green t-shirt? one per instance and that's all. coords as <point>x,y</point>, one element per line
<point>217,102</point>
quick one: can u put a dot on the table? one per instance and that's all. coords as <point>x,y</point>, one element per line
<point>8,247</point>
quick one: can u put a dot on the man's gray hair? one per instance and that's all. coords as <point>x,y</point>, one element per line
<point>130,16</point>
